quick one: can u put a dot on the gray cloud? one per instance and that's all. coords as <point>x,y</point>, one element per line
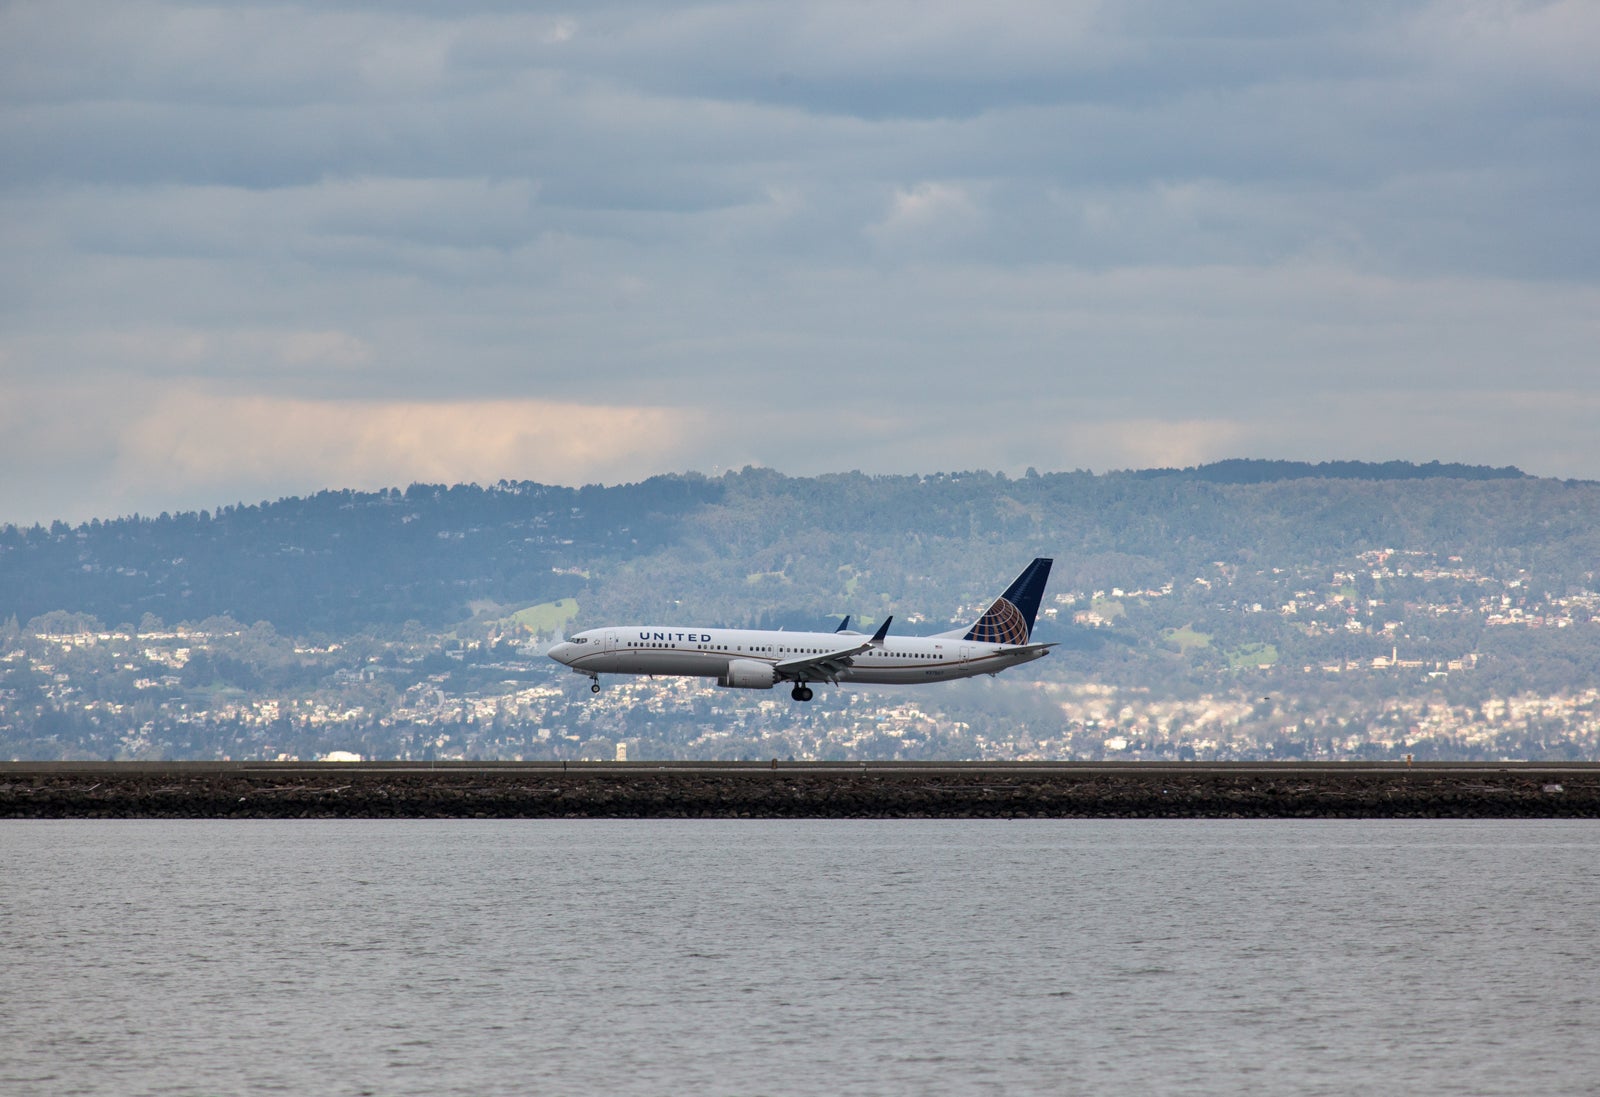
<point>1127,232</point>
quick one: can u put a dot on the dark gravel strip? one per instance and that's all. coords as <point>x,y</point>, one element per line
<point>203,791</point>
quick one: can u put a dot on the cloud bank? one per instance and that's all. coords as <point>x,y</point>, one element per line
<point>483,241</point>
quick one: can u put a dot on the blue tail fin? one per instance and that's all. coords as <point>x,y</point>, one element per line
<point>1010,619</point>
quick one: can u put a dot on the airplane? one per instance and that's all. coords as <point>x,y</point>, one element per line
<point>761,658</point>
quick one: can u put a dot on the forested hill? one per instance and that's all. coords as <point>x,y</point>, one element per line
<point>341,560</point>
<point>1247,471</point>
<point>759,545</point>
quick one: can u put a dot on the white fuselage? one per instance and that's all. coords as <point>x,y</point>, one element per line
<point>707,652</point>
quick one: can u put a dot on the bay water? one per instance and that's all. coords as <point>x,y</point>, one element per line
<point>799,957</point>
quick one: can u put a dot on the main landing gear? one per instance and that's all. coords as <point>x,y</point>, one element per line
<point>801,692</point>
<point>594,687</point>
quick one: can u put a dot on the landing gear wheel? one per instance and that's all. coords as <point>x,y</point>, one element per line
<point>594,687</point>
<point>801,693</point>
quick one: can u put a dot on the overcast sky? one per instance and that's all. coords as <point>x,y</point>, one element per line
<point>257,250</point>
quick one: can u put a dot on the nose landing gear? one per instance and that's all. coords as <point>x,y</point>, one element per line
<point>801,692</point>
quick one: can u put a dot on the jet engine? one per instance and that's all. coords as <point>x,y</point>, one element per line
<point>748,674</point>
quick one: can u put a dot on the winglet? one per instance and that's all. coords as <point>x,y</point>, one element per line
<point>843,624</point>
<point>883,630</point>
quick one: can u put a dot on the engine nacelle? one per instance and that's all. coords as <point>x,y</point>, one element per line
<point>748,674</point>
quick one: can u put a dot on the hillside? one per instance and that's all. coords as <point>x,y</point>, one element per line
<point>1245,609</point>
<point>757,544</point>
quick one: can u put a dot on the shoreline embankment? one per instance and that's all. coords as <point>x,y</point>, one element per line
<point>932,790</point>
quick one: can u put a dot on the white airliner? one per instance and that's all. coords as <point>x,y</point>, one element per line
<point>761,658</point>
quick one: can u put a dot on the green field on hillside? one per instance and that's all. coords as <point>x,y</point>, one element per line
<point>1187,638</point>
<point>549,617</point>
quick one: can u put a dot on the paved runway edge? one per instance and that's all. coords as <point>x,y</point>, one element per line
<point>387,790</point>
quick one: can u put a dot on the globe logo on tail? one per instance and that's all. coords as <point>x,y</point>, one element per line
<point>1002,623</point>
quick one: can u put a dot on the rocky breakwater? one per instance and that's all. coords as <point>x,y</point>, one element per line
<point>795,790</point>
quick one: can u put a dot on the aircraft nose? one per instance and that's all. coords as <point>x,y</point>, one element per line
<point>563,652</point>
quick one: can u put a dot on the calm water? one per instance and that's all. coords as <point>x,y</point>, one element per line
<point>760,957</point>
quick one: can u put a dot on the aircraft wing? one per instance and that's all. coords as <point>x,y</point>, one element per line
<point>827,666</point>
<point>819,668</point>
